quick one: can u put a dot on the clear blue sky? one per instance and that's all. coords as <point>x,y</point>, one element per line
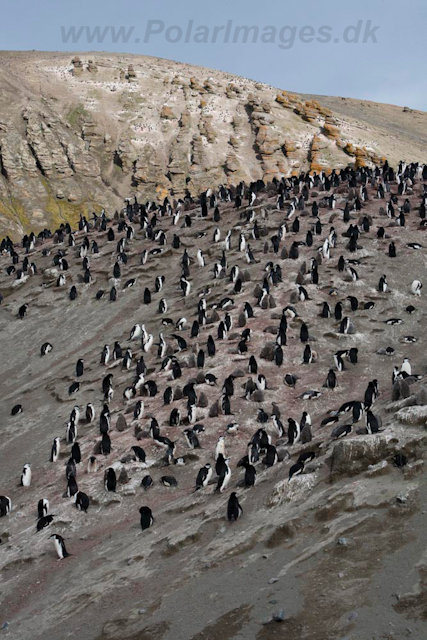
<point>388,70</point>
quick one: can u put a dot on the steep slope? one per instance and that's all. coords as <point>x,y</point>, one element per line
<point>81,132</point>
<point>338,548</point>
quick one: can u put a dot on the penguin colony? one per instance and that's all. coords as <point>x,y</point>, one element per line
<point>228,294</point>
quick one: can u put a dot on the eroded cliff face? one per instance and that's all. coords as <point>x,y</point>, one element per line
<point>78,133</point>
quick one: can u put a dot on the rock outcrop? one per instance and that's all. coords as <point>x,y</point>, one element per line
<point>96,128</point>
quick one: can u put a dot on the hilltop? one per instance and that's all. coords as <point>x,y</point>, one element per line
<point>80,132</point>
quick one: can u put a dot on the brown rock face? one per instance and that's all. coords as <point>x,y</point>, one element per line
<point>91,66</point>
<point>100,130</point>
<point>167,113</point>
<point>77,66</point>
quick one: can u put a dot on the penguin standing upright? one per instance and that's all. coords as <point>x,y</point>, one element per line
<point>76,453</point>
<point>26,476</point>
<point>72,487</point>
<point>42,507</point>
<point>90,412</point>
<point>92,465</point>
<point>80,367</point>
<point>373,423</point>
<point>406,367</point>
<point>146,518</point>
<point>234,510</point>
<point>224,473</point>
<point>22,311</point>
<point>294,431</point>
<point>71,432</point>
<point>105,444</point>
<point>54,453</point>
<point>271,457</point>
<point>59,546</point>
<point>382,285</point>
<point>136,332</point>
<point>331,380</point>
<point>110,480</point>
<point>5,506</point>
<point>250,472</point>
<point>185,287</point>
<point>211,346</point>
<point>200,258</point>
<point>304,337</point>
<point>203,477</point>
<point>105,356</point>
<point>326,311</point>
<point>278,425</point>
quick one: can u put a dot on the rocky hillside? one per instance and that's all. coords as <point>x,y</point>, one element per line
<point>335,552</point>
<point>81,132</point>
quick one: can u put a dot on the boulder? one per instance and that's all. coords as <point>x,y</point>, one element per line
<point>238,373</point>
<point>167,113</point>
<point>379,469</point>
<point>413,415</point>
<point>92,66</point>
<point>77,66</point>
<point>290,491</point>
<point>357,454</point>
